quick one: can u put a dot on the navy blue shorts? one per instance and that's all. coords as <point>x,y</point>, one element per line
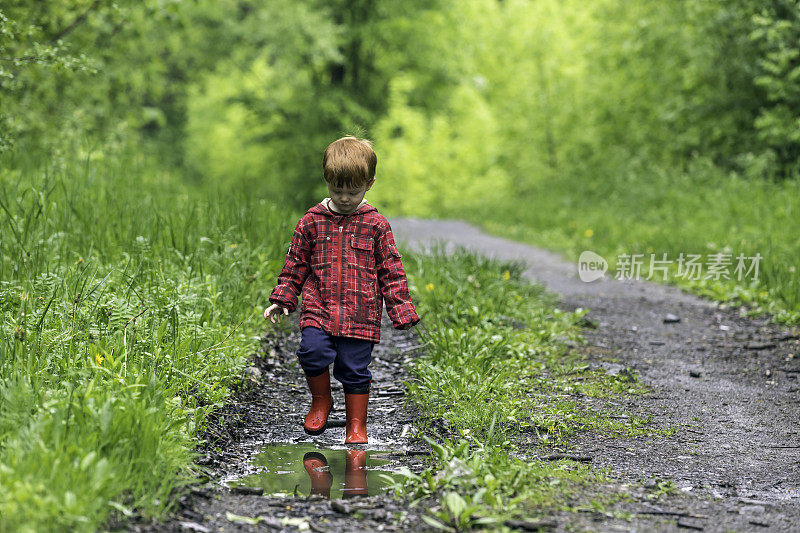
<point>350,358</point>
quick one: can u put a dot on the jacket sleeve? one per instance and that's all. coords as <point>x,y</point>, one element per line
<point>295,270</point>
<point>392,281</point>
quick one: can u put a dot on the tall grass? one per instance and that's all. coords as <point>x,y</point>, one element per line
<point>128,300</point>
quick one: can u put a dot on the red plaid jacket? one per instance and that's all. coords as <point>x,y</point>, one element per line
<point>346,266</point>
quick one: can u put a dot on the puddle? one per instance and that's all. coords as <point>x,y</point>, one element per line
<point>305,469</point>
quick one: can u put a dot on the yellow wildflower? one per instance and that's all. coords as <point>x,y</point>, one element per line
<point>588,233</point>
<point>429,287</point>
<point>98,359</point>
<point>506,275</point>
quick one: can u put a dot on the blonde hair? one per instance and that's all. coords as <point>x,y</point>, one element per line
<point>349,162</point>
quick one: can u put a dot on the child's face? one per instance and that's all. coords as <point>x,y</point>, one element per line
<point>345,199</point>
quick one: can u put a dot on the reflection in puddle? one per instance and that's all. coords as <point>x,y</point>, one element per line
<point>305,469</point>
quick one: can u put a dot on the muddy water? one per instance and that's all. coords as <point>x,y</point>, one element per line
<point>306,470</point>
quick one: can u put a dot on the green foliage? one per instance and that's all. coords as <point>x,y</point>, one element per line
<point>663,487</point>
<point>74,71</point>
<point>777,35</point>
<point>126,307</point>
<point>248,121</point>
<point>476,486</point>
<point>305,74</point>
<point>480,97</point>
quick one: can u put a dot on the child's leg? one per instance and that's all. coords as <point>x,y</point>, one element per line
<point>317,351</point>
<point>350,368</point>
<point>351,362</point>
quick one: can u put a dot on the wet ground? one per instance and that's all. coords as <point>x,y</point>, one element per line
<point>728,387</point>
<point>267,474</point>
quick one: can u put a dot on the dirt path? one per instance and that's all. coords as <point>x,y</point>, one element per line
<point>728,384</point>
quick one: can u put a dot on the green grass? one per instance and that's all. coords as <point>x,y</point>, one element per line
<point>647,210</point>
<point>498,376</point>
<point>129,301</point>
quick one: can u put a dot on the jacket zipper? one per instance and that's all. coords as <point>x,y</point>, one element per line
<point>339,285</point>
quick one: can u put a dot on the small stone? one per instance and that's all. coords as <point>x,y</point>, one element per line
<point>694,373</point>
<point>251,491</point>
<point>612,369</point>
<point>531,525</point>
<point>191,516</point>
<point>752,509</point>
<point>689,524</point>
<point>759,345</point>
<point>752,501</point>
<point>194,526</point>
<point>253,372</point>
<point>340,507</point>
<point>669,318</point>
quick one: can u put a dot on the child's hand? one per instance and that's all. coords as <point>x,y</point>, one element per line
<point>272,312</point>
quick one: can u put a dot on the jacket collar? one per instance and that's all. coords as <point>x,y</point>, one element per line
<point>321,209</point>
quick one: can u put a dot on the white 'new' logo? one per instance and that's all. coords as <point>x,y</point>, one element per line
<point>591,266</point>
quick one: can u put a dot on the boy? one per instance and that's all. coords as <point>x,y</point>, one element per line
<point>343,258</point>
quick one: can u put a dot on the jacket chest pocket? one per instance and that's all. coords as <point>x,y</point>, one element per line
<point>361,252</point>
<point>321,250</point>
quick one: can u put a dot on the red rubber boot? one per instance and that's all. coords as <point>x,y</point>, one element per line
<point>321,403</point>
<point>321,477</point>
<point>356,408</point>
<point>355,474</point>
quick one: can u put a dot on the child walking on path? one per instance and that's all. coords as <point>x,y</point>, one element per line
<point>344,261</point>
